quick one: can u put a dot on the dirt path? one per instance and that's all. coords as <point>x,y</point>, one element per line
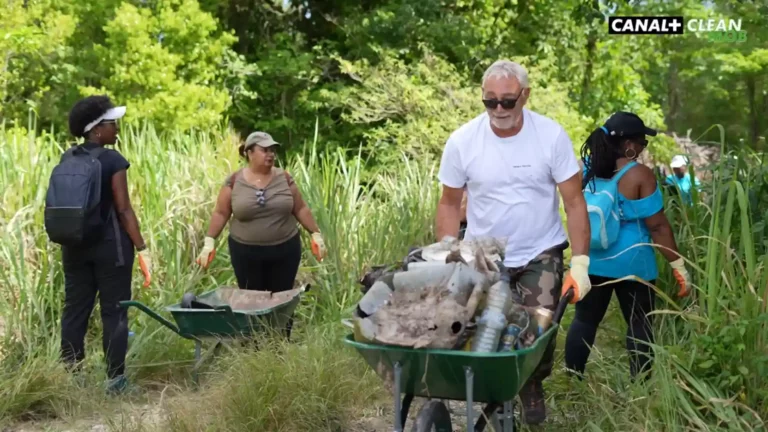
<point>144,414</point>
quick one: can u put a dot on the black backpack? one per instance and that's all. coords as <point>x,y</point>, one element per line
<point>72,202</point>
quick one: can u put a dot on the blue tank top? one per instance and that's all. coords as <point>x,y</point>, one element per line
<point>631,254</point>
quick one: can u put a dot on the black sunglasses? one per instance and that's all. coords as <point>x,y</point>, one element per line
<point>507,104</point>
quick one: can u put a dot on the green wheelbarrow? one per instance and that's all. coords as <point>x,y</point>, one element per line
<point>226,314</point>
<point>493,378</point>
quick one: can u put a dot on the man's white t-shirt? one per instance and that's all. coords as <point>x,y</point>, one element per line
<point>511,182</point>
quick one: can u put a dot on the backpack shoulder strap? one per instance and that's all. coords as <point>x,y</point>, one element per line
<point>623,171</point>
<point>68,152</point>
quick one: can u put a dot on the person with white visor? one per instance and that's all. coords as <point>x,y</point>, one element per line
<point>103,263</point>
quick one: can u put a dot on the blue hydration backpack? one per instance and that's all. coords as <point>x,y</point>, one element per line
<point>603,210</point>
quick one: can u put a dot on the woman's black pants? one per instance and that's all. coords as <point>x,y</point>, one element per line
<point>636,301</point>
<point>104,268</point>
<point>266,268</point>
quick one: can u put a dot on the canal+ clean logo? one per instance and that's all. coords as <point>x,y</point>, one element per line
<point>720,30</point>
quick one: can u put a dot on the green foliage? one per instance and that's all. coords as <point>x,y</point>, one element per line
<point>723,358</point>
<point>164,63</point>
<point>33,41</point>
<point>406,108</point>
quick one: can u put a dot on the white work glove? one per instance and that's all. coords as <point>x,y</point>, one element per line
<point>318,246</point>
<point>578,278</point>
<point>682,276</point>
<point>208,253</point>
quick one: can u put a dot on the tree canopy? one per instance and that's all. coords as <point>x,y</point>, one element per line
<point>391,76</point>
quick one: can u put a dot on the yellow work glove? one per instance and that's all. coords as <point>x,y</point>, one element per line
<point>682,276</point>
<point>208,253</point>
<point>578,278</point>
<point>145,264</point>
<point>318,246</point>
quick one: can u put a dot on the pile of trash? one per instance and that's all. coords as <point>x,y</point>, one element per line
<point>453,295</point>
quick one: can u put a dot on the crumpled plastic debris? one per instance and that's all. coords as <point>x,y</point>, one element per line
<point>428,307</point>
<point>492,249</point>
<point>435,296</point>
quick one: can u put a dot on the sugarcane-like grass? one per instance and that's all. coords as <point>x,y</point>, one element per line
<point>710,367</point>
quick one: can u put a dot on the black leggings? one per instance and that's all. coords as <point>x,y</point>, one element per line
<point>636,301</point>
<point>266,268</point>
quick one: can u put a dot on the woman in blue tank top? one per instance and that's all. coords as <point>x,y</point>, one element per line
<point>610,150</point>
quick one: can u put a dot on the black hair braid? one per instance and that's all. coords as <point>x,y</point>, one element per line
<point>85,111</point>
<point>599,154</point>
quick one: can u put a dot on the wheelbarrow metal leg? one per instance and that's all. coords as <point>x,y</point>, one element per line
<point>469,376</point>
<point>509,417</point>
<point>198,348</point>
<point>398,414</point>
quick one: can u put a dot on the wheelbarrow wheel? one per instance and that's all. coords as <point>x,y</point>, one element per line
<point>433,415</point>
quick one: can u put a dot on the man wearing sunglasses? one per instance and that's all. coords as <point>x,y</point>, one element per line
<point>513,162</point>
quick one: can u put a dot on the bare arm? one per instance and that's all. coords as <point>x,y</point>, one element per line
<point>464,206</point>
<point>661,233</point>
<point>449,212</point>
<point>301,210</point>
<point>658,224</point>
<point>124,209</point>
<point>221,213</point>
<point>576,214</point>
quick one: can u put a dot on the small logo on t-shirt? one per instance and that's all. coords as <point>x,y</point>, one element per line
<point>521,166</point>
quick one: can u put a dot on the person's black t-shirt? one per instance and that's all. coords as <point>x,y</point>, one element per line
<point>112,162</point>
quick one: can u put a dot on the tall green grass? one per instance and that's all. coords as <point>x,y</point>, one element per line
<point>711,349</point>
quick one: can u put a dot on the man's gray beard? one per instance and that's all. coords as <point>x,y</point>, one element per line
<point>507,124</point>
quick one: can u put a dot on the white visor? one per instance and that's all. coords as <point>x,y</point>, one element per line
<point>678,161</point>
<point>111,114</point>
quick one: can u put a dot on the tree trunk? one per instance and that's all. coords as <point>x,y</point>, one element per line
<point>587,81</point>
<point>591,46</point>
<point>754,118</point>
<point>673,100</point>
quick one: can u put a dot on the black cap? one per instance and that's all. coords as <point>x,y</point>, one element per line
<point>624,123</point>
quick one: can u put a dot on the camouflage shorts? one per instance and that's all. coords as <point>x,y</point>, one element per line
<point>539,282</point>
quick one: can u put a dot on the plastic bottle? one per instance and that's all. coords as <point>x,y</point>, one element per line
<point>509,337</point>
<point>375,298</point>
<point>493,321</point>
<point>543,318</point>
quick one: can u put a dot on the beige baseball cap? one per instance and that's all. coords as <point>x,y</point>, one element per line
<point>261,139</point>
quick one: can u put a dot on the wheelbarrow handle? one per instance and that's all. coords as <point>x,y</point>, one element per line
<point>141,306</point>
<point>561,305</point>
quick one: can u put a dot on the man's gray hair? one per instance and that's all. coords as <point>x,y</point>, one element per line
<point>507,69</point>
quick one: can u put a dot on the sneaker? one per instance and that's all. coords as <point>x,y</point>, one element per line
<point>117,385</point>
<point>533,405</point>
